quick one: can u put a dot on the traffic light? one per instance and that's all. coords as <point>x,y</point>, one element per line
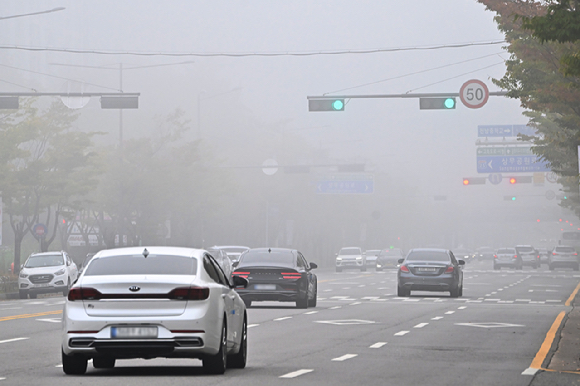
<point>509,198</point>
<point>437,103</point>
<point>513,180</point>
<point>474,181</point>
<point>520,180</point>
<point>326,105</point>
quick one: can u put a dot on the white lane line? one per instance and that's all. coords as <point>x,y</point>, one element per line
<point>437,318</point>
<point>355,303</point>
<point>310,312</point>
<point>344,357</point>
<point>298,373</point>
<point>12,308</point>
<point>283,318</point>
<point>411,300</point>
<point>378,345</point>
<point>421,325</point>
<point>12,340</point>
<point>401,333</point>
<point>327,290</point>
<point>252,325</point>
<point>462,308</point>
<point>54,320</point>
<point>370,297</point>
<point>523,300</point>
<point>530,371</point>
<point>335,308</point>
<point>1,379</point>
<point>554,301</point>
<point>449,312</point>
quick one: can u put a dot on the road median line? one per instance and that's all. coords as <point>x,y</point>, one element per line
<point>24,316</point>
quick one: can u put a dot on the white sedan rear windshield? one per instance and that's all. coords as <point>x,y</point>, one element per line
<point>565,249</point>
<point>506,251</point>
<point>44,261</point>
<point>139,265</point>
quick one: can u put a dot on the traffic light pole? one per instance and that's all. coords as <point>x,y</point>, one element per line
<point>409,95</point>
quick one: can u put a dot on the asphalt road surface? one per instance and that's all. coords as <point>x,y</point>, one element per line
<point>360,333</point>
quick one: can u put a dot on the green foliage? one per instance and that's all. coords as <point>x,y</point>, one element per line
<point>541,74</point>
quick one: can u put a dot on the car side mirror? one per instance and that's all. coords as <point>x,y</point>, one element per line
<point>235,264</point>
<point>240,281</point>
<point>313,265</point>
<point>400,261</point>
<point>21,266</point>
<point>461,262</point>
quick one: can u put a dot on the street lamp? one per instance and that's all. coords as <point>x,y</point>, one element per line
<point>199,99</point>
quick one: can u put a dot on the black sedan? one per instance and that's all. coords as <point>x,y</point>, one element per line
<point>277,274</point>
<point>430,270</point>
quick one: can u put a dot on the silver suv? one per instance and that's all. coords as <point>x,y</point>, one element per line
<point>528,255</point>
<point>351,257</point>
<point>46,272</point>
<point>563,256</point>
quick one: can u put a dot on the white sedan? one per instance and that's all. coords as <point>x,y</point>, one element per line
<point>148,302</point>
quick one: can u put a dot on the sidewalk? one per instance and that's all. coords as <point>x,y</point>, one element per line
<point>562,366</point>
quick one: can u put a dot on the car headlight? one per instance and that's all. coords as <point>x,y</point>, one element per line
<point>23,275</point>
<point>59,272</point>
<point>339,259</point>
<point>359,257</point>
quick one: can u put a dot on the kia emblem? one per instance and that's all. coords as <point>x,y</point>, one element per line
<point>134,288</point>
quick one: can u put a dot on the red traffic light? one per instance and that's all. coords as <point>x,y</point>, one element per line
<point>465,181</point>
<point>513,180</point>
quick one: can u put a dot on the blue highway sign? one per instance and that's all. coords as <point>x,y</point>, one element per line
<point>504,130</point>
<point>510,164</point>
<point>345,187</point>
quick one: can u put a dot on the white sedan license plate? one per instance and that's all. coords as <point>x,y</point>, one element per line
<point>265,286</point>
<point>40,285</point>
<point>133,332</point>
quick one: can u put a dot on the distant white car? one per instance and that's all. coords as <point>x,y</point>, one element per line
<point>149,302</point>
<point>48,272</point>
<point>351,257</point>
<point>233,251</point>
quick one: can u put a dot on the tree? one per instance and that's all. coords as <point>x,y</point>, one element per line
<point>535,75</point>
<point>45,169</point>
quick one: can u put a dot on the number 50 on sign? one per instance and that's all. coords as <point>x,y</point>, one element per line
<point>474,94</point>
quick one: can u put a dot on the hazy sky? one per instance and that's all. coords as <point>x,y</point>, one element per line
<point>430,149</point>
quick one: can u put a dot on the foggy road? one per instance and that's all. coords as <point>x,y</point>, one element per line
<point>360,333</point>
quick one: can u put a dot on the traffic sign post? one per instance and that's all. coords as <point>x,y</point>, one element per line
<point>474,94</point>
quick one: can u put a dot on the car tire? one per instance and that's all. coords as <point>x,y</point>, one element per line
<point>454,293</point>
<point>401,292</point>
<point>32,295</point>
<point>460,294</point>
<point>312,303</point>
<point>577,268</point>
<point>216,364</point>
<point>497,268</point>
<point>551,267</point>
<point>378,269</point>
<point>73,365</point>
<point>363,269</point>
<point>103,362</point>
<point>23,294</point>
<point>239,359</point>
<point>247,302</point>
<point>302,302</point>
<point>65,292</point>
<point>520,267</point>
<point>338,269</point>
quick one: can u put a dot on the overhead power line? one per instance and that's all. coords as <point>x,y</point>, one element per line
<point>247,54</point>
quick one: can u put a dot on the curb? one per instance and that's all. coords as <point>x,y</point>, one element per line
<point>12,295</point>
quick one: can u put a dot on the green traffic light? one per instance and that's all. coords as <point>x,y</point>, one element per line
<point>337,104</point>
<point>449,103</point>
<point>513,198</point>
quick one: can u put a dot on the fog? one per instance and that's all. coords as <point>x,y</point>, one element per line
<point>247,107</point>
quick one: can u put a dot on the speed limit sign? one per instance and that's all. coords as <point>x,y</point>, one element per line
<point>474,94</point>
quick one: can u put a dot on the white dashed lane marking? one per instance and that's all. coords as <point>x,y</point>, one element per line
<point>344,357</point>
<point>12,340</point>
<point>283,318</point>
<point>437,318</point>
<point>378,345</point>
<point>298,373</point>
<point>310,312</point>
<point>401,333</point>
<point>449,312</point>
<point>462,308</point>
<point>252,325</point>
<point>421,325</point>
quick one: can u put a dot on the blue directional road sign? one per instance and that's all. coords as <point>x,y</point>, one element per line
<point>510,164</point>
<point>339,186</point>
<point>504,130</point>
